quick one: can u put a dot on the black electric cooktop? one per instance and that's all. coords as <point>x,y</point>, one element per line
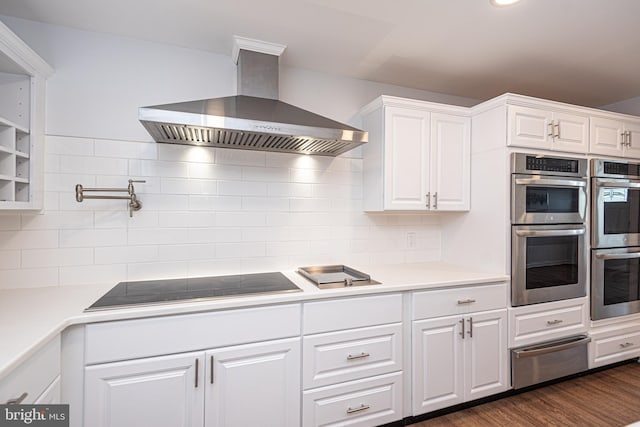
<point>126,294</point>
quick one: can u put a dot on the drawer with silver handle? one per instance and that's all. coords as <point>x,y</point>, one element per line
<point>461,300</point>
<point>335,357</point>
<point>366,402</point>
<point>615,348</point>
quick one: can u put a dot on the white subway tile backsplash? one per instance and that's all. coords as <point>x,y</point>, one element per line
<point>9,259</point>
<point>205,211</point>
<point>66,145</point>
<point>93,274</point>
<point>29,278</point>
<point>29,239</point>
<point>126,149</point>
<point>83,238</point>
<point>34,258</point>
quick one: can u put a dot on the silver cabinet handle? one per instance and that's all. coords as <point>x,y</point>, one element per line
<point>17,400</point>
<point>435,200</point>
<point>362,407</point>
<point>197,369</point>
<point>554,322</point>
<point>551,347</point>
<point>470,320</point>
<point>629,138</point>
<point>557,132</point>
<point>466,301</point>
<point>623,135</point>
<point>550,129</point>
<point>358,356</point>
<point>625,345</point>
<point>211,369</point>
<point>462,333</point>
<point>428,197</point>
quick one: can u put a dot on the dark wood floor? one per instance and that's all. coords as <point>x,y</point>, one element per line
<point>608,398</point>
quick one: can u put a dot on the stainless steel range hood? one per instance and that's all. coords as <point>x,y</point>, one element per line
<point>254,119</point>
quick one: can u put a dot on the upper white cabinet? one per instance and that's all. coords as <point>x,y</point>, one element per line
<point>544,129</point>
<point>22,108</point>
<point>417,157</point>
<point>612,137</point>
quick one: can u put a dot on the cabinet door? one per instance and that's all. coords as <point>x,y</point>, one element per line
<point>438,377</point>
<point>571,133</point>
<point>406,159</point>
<point>450,157</point>
<point>254,385</point>
<point>150,392</point>
<point>529,127</point>
<point>605,137</point>
<point>486,361</point>
<point>633,139</point>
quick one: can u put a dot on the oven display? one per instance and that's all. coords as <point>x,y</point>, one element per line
<point>550,164</point>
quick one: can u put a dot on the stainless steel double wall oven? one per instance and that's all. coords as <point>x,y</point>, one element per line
<point>615,238</point>
<point>548,211</point>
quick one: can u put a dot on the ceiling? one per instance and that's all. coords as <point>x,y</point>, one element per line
<point>584,52</point>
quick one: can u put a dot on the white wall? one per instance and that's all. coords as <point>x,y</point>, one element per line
<point>205,211</point>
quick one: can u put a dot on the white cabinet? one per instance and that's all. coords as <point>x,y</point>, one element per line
<point>250,375</point>
<point>531,324</point>
<point>462,357</point>
<point>612,137</point>
<point>22,107</point>
<point>352,361</point>
<point>614,343</point>
<point>37,379</point>
<point>543,129</point>
<point>417,157</point>
<point>156,391</point>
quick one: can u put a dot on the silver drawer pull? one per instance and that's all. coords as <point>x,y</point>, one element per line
<point>553,322</point>
<point>362,407</point>
<point>18,400</point>
<point>357,356</point>
<point>627,344</point>
<point>466,301</point>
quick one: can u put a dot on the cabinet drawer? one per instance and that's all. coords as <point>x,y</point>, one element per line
<point>446,302</point>
<point>543,322</point>
<point>34,375</point>
<point>615,349</point>
<point>348,355</point>
<point>131,339</point>
<point>367,402</point>
<point>349,313</point>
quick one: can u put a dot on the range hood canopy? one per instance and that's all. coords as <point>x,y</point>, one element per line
<point>254,119</point>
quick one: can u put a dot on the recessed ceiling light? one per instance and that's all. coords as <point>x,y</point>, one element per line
<point>501,3</point>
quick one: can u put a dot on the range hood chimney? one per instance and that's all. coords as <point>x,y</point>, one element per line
<point>255,119</point>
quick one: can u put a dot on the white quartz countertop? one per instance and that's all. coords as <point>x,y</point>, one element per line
<point>30,317</point>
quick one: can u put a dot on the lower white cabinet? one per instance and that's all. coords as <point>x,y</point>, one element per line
<point>458,359</point>
<point>352,361</point>
<point>154,391</point>
<point>614,343</point>
<point>253,384</point>
<point>37,379</point>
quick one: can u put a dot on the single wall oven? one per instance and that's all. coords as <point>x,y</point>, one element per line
<point>615,239</point>
<point>548,247</point>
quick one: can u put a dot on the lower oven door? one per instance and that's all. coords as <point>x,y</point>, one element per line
<point>615,282</point>
<point>547,263</point>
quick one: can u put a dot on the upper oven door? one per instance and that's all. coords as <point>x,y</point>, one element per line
<point>540,199</point>
<point>616,212</point>
<point>547,263</point>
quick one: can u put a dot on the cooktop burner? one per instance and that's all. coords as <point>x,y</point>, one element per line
<point>126,294</point>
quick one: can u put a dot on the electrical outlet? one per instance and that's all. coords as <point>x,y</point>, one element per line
<point>411,239</point>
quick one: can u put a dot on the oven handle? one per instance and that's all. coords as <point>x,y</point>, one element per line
<point>616,184</point>
<point>551,347</point>
<point>628,255</point>
<point>550,233</point>
<point>551,182</point>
